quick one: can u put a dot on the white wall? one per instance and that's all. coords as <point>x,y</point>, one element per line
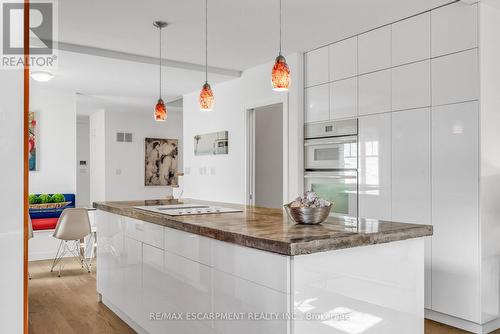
<point>223,177</point>
<point>56,150</point>
<point>11,201</point>
<point>121,177</point>
<point>82,154</point>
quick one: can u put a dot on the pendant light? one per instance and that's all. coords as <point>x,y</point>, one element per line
<point>280,77</point>
<point>160,114</point>
<point>206,98</point>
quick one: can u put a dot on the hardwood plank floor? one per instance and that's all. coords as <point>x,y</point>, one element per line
<point>68,305</point>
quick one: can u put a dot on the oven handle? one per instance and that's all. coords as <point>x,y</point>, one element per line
<point>308,176</point>
<point>338,141</point>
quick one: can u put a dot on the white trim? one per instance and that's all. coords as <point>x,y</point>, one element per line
<point>463,324</point>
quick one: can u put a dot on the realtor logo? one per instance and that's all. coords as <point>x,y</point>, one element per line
<point>42,31</point>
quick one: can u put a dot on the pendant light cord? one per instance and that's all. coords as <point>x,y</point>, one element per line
<point>280,28</point>
<point>206,41</point>
<point>159,63</point>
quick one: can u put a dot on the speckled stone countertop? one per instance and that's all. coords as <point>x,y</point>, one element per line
<point>271,230</point>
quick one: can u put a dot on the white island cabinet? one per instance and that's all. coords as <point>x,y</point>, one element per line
<point>163,280</point>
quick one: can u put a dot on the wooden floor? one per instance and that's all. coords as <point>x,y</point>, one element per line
<point>68,305</point>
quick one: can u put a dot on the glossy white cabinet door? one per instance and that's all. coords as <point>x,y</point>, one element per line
<point>411,39</point>
<point>454,28</point>
<point>318,103</point>
<point>317,67</point>
<point>379,289</point>
<point>411,166</point>
<point>235,295</point>
<point>455,78</point>
<point>110,252</point>
<point>344,59</point>
<point>375,50</point>
<point>455,248</point>
<point>411,86</point>
<point>153,289</point>
<point>375,93</point>
<point>411,176</point>
<point>344,98</point>
<point>192,246</point>
<point>131,278</point>
<point>375,166</point>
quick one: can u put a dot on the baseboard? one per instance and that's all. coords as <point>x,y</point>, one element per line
<point>463,324</point>
<point>136,327</point>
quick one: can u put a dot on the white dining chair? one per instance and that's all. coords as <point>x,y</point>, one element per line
<point>73,226</point>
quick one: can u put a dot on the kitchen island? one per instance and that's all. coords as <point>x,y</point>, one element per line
<point>256,271</point>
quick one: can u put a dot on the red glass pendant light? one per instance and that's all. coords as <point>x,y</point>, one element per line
<point>206,99</point>
<point>280,76</point>
<point>160,112</point>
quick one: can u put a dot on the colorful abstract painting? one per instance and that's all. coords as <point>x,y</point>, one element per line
<point>32,141</point>
<point>161,159</point>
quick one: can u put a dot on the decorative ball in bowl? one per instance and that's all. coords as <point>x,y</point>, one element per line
<point>309,209</point>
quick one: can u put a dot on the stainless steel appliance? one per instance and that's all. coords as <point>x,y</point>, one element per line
<point>331,164</point>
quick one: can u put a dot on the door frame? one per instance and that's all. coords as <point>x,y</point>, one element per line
<point>250,149</point>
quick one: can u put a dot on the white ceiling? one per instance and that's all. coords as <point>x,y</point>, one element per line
<point>242,34</point>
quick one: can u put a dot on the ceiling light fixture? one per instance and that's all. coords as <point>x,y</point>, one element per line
<point>160,114</point>
<point>41,76</point>
<point>280,77</point>
<point>206,98</point>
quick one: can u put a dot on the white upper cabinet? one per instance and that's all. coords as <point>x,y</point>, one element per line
<point>318,103</point>
<point>454,28</point>
<point>411,39</point>
<point>344,98</point>
<point>455,78</point>
<point>411,86</point>
<point>411,166</point>
<point>375,50</point>
<point>375,166</point>
<point>455,196</point>
<point>317,67</point>
<point>344,59</point>
<point>375,92</point>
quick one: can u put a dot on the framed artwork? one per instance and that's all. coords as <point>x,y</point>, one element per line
<point>161,162</point>
<point>32,141</point>
<point>211,143</point>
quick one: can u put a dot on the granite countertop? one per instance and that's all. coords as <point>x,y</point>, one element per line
<point>271,230</point>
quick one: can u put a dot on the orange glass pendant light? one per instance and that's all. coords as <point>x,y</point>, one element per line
<point>280,76</point>
<point>206,99</point>
<point>160,114</point>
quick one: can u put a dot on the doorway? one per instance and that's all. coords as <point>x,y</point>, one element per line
<point>265,156</point>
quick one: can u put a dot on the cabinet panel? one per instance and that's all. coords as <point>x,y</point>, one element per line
<point>454,28</point>
<point>151,234</point>
<point>235,295</point>
<point>375,166</point>
<point>192,246</point>
<point>411,166</point>
<point>375,50</point>
<point>317,103</point>
<point>130,282</point>
<point>411,86</point>
<point>110,251</point>
<point>455,248</point>
<point>455,78</point>
<point>411,39</point>
<point>344,59</point>
<point>317,67</point>
<point>344,98</point>
<point>375,93</point>
<point>252,264</point>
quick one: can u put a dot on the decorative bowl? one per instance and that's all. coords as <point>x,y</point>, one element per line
<point>308,216</point>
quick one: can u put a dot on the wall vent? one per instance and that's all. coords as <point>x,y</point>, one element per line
<point>124,137</point>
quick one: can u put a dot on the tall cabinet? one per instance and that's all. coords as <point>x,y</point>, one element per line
<point>429,133</point>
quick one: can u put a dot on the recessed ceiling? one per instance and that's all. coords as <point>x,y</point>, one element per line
<point>242,34</point>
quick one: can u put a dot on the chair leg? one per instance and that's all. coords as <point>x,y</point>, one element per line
<point>57,258</point>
